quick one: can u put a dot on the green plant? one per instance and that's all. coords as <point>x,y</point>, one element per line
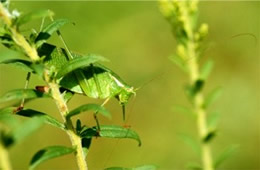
<point>57,67</point>
<point>183,17</point>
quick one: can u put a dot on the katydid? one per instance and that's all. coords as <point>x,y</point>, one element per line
<point>95,80</point>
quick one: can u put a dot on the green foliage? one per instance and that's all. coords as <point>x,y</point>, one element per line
<point>185,110</point>
<point>65,73</point>
<point>210,135</point>
<point>87,107</point>
<point>33,15</point>
<point>47,31</point>
<point>227,153</point>
<point>21,64</point>
<point>21,131</point>
<point>44,117</point>
<point>111,131</point>
<point>143,167</point>
<point>183,15</point>
<point>206,70</point>
<point>213,120</point>
<point>212,97</point>
<point>22,94</point>
<point>190,141</point>
<point>49,153</point>
<point>194,89</point>
<point>77,63</point>
<point>179,62</point>
<point>194,166</point>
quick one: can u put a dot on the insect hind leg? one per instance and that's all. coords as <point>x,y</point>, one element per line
<point>21,106</point>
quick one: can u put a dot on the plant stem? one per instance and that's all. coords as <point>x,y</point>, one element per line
<point>17,37</point>
<point>198,101</point>
<point>4,158</point>
<point>75,139</point>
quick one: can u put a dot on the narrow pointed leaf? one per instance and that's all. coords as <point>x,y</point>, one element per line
<point>191,142</point>
<point>143,167</point>
<point>19,94</point>
<point>225,155</point>
<point>118,168</point>
<point>34,15</point>
<point>194,166</point>
<point>111,131</point>
<point>49,30</point>
<point>212,97</point>
<point>206,69</point>
<point>79,62</point>
<point>49,153</point>
<point>46,118</point>
<point>146,167</point>
<point>213,120</point>
<point>86,142</point>
<point>179,62</point>
<point>7,117</point>
<point>192,90</point>
<point>7,111</point>
<point>184,110</point>
<point>210,135</point>
<point>25,129</point>
<point>87,107</point>
<point>23,64</point>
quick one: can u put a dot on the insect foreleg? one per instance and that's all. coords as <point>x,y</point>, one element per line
<point>95,114</point>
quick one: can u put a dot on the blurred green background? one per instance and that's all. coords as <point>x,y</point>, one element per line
<point>137,40</point>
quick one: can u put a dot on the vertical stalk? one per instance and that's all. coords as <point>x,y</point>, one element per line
<point>31,51</point>
<point>17,37</point>
<point>198,101</point>
<point>4,158</point>
<point>75,139</point>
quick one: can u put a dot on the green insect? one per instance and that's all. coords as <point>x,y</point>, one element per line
<point>95,80</point>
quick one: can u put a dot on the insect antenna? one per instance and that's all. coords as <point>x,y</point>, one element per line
<point>150,80</point>
<point>246,34</point>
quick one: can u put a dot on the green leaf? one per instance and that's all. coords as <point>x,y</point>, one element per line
<point>7,117</point>
<point>49,153</point>
<point>206,69</point>
<point>8,54</point>
<point>25,129</point>
<point>210,135</point>
<point>86,142</point>
<point>67,95</point>
<point>194,166</point>
<point>87,107</point>
<point>118,168</point>
<point>179,62</point>
<point>212,97</point>
<point>23,64</point>
<point>143,167</point>
<point>111,131</point>
<point>34,15</point>
<point>225,154</point>
<point>184,110</point>
<point>7,111</point>
<point>213,120</point>
<point>19,94</point>
<point>192,90</point>
<point>190,141</point>
<point>79,62</point>
<point>146,167</point>
<point>49,30</point>
<point>46,118</point>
